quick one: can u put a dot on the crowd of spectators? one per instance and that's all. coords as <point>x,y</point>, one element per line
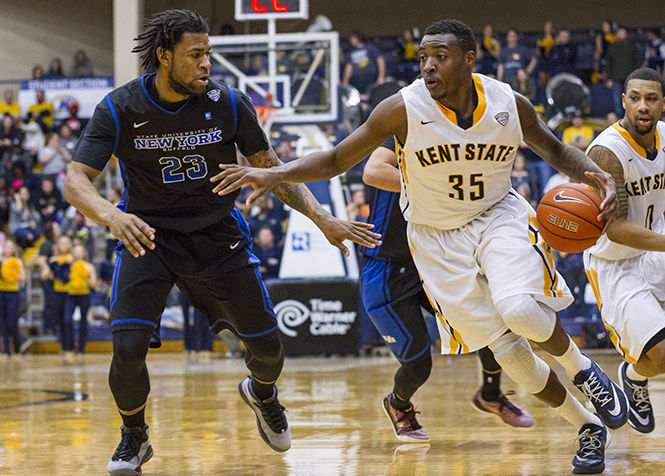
<point>35,146</point>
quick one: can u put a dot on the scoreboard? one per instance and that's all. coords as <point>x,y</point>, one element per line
<point>271,9</point>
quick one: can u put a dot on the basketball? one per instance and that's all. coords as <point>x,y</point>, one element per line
<point>567,217</point>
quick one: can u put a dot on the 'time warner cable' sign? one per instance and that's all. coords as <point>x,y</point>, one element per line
<point>271,9</point>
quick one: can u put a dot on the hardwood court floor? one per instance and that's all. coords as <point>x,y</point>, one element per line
<point>60,419</point>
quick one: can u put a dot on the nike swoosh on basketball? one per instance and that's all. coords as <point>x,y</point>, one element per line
<point>234,246</point>
<point>136,126</point>
<point>643,421</point>
<point>617,406</point>
<point>560,197</point>
<point>425,122</point>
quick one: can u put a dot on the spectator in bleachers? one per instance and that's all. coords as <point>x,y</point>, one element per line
<point>524,84</point>
<point>578,134</point>
<point>9,105</point>
<point>513,57</point>
<point>611,118</point>
<point>358,209</point>
<point>521,179</point>
<point>52,233</point>
<point>37,72</point>
<point>75,123</point>
<point>537,167</point>
<point>60,264</point>
<point>622,59</point>
<point>12,277</point>
<point>16,163</point>
<point>81,66</point>
<point>284,151</point>
<point>24,220</point>
<point>408,46</point>
<point>82,280</point>
<point>365,65</point>
<point>48,201</point>
<point>604,39</point>
<point>54,157</point>
<point>41,112</point>
<point>544,44</point>
<point>654,55</point>
<point>55,69</point>
<point>34,138</point>
<point>5,201</point>
<point>67,140</point>
<point>9,133</point>
<point>571,267</point>
<point>267,211</point>
<point>268,252</point>
<point>79,231</point>
<point>489,49</point>
<point>563,54</point>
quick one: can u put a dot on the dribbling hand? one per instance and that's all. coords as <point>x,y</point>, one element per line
<point>608,193</point>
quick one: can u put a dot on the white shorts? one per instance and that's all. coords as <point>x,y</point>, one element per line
<point>465,271</point>
<point>630,295</point>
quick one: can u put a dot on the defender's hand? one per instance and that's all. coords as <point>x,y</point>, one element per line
<point>233,176</point>
<point>608,193</point>
<point>133,232</point>
<point>336,231</point>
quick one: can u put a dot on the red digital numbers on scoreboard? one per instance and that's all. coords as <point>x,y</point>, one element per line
<point>276,7</point>
<point>271,9</point>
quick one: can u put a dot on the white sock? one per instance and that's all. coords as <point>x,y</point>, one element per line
<point>632,374</point>
<point>572,360</point>
<point>572,410</point>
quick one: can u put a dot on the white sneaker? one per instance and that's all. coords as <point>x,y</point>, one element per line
<point>270,417</point>
<point>133,450</point>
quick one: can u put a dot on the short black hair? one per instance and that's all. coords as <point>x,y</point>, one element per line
<point>647,74</point>
<point>461,31</point>
<point>165,30</point>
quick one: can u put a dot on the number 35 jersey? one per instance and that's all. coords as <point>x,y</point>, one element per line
<point>169,151</point>
<point>450,175</point>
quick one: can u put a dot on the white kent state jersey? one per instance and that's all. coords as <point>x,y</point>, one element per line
<point>645,186</point>
<point>451,175</point>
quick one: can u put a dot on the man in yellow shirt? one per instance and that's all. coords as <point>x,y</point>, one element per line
<point>578,134</point>
<point>42,112</point>
<point>9,106</point>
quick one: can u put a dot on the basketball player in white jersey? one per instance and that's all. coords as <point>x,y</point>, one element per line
<point>474,240</point>
<point>625,267</point>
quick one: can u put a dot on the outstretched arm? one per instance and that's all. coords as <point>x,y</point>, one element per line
<point>621,230</point>
<point>565,158</point>
<point>387,119</point>
<point>298,197</point>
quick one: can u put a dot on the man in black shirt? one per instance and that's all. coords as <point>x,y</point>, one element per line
<point>171,130</point>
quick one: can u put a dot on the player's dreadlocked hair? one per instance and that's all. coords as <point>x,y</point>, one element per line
<point>165,29</point>
<point>462,32</point>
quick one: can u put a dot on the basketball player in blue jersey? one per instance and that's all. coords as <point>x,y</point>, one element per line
<point>485,268</point>
<point>393,296</point>
<point>171,129</point>
<point>625,266</point>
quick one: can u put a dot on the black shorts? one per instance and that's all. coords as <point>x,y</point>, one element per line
<point>215,270</point>
<point>393,296</point>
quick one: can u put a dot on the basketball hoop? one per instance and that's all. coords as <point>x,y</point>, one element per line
<point>265,113</point>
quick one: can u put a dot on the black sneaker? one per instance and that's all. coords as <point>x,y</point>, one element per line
<point>607,397</point>
<point>270,417</point>
<point>590,458</point>
<point>640,412</point>
<point>133,450</point>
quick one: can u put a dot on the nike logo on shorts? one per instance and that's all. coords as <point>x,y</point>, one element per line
<point>234,246</point>
<point>136,126</point>
<point>425,122</point>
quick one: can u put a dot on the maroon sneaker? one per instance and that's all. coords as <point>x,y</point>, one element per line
<point>405,425</point>
<point>510,413</point>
